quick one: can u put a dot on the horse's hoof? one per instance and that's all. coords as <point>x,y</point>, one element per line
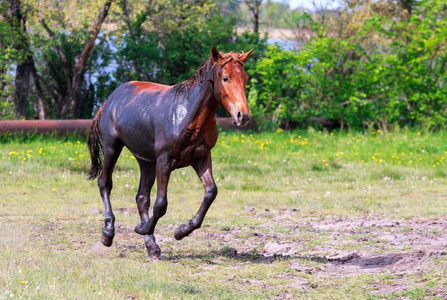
<point>180,232</point>
<point>142,228</point>
<point>154,254</point>
<point>107,237</point>
<point>153,250</point>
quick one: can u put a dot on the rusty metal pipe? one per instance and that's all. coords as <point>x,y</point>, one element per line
<point>60,127</point>
<point>64,127</point>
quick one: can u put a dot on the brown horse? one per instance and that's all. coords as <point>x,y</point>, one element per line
<point>166,128</point>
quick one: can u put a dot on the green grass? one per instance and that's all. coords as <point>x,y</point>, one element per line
<point>270,184</point>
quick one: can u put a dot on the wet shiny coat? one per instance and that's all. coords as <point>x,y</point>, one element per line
<point>166,128</point>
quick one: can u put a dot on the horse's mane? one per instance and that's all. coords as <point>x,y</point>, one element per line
<point>206,70</point>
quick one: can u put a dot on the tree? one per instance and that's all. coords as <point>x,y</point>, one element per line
<point>8,57</point>
<point>253,6</point>
<point>16,16</point>
<point>74,102</point>
<point>366,64</point>
<point>275,14</point>
<point>165,41</point>
<point>40,37</point>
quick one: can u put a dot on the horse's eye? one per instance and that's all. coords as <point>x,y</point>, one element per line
<point>226,79</point>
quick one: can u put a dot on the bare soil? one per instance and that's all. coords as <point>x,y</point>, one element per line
<point>322,247</point>
<point>343,246</point>
<point>382,246</point>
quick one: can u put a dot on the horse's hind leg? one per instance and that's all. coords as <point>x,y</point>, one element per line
<point>163,172</point>
<point>111,153</point>
<point>204,171</point>
<point>147,179</point>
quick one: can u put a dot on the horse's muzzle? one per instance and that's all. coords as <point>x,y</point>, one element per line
<point>241,119</point>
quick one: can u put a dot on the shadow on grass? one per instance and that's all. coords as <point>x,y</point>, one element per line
<point>380,261</point>
<point>252,257</point>
<point>374,262</point>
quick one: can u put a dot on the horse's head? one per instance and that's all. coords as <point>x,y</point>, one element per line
<point>230,80</point>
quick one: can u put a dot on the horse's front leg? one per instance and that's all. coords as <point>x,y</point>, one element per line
<point>203,169</point>
<point>147,179</point>
<point>163,171</point>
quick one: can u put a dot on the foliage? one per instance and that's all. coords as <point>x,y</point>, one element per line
<point>152,40</point>
<point>150,53</point>
<point>281,81</point>
<point>272,14</point>
<point>11,54</point>
<point>40,33</point>
<point>7,110</point>
<point>365,64</point>
<point>366,67</point>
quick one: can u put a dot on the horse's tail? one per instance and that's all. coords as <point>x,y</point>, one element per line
<point>94,145</point>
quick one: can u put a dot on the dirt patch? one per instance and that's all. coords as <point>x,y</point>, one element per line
<point>380,245</point>
<point>315,249</point>
<point>342,246</point>
<point>339,247</point>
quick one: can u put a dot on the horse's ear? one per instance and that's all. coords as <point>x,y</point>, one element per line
<point>215,54</point>
<point>243,57</point>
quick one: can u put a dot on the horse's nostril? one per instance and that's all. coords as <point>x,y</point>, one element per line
<point>240,116</point>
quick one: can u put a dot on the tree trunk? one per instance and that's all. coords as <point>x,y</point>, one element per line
<point>2,77</point>
<point>256,16</point>
<point>75,95</point>
<point>254,7</point>
<point>407,5</point>
<point>40,97</point>
<point>24,67</point>
<point>22,87</point>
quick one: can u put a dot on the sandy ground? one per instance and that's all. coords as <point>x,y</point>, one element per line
<point>341,246</point>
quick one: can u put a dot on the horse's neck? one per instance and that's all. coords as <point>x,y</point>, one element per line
<point>196,104</point>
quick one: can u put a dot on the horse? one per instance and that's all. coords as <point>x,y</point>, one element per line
<point>166,128</point>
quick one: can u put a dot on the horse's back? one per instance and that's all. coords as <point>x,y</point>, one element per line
<point>132,99</point>
<point>129,114</point>
<point>148,87</point>
<point>130,91</point>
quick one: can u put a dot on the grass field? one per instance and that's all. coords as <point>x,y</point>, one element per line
<point>301,214</point>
